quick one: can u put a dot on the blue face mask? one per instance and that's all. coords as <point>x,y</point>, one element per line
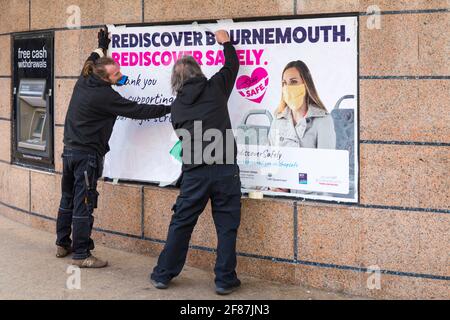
<point>122,81</point>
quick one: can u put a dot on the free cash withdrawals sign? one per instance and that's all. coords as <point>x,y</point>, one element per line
<point>276,157</point>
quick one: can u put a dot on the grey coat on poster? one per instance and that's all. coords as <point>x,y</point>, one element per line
<point>315,130</point>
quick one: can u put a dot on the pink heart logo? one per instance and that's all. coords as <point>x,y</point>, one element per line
<point>254,87</point>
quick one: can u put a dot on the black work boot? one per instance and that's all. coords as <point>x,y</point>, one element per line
<point>224,291</point>
<point>158,284</point>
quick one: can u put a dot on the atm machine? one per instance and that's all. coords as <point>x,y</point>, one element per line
<point>33,100</point>
<point>32,129</point>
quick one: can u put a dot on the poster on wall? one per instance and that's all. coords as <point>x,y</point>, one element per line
<point>308,152</point>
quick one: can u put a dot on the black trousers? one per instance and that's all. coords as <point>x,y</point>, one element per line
<point>221,184</point>
<point>78,201</point>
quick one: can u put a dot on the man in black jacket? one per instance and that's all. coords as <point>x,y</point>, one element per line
<point>201,120</point>
<point>90,118</point>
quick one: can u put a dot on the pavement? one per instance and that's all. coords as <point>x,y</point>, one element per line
<point>29,270</point>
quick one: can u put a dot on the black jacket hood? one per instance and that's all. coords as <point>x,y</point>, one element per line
<point>191,90</point>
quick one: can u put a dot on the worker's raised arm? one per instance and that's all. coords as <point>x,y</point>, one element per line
<point>226,76</point>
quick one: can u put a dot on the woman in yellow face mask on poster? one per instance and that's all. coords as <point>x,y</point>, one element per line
<point>301,119</point>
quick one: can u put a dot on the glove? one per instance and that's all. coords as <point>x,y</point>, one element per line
<point>103,39</point>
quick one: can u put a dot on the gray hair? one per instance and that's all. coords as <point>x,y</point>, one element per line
<point>183,70</point>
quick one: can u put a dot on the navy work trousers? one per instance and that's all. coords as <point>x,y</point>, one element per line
<point>78,200</point>
<point>221,184</point>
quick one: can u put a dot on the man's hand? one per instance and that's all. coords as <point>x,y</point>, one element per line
<point>222,36</point>
<point>103,39</point>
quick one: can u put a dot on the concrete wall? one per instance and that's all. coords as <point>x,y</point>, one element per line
<point>402,222</point>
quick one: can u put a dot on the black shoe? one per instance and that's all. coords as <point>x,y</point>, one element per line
<point>159,285</point>
<point>224,291</point>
